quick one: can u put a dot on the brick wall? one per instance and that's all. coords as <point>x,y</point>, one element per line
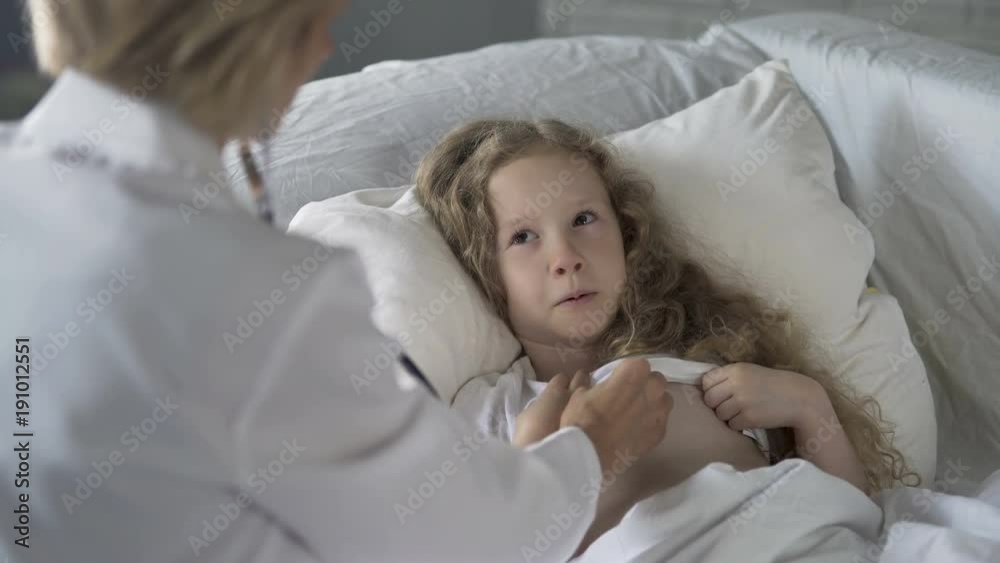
<point>973,23</point>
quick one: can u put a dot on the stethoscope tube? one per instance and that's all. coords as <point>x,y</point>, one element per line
<point>262,201</point>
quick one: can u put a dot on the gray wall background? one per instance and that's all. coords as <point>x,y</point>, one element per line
<point>426,28</point>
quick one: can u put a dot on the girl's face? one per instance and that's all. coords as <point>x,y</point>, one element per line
<point>557,237</point>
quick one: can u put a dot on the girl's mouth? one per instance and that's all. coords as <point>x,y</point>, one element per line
<point>583,298</point>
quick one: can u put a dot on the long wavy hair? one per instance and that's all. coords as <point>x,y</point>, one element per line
<point>669,303</point>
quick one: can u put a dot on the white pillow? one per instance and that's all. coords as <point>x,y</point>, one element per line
<point>749,171</point>
<point>783,227</point>
<point>423,297</point>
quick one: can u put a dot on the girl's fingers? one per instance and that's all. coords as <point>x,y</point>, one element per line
<point>713,377</point>
<point>727,410</point>
<point>739,422</point>
<point>580,381</point>
<point>718,394</point>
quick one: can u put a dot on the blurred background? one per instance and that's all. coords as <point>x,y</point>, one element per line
<point>426,28</point>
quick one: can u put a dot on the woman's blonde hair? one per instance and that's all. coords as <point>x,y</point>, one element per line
<point>669,303</point>
<point>219,57</point>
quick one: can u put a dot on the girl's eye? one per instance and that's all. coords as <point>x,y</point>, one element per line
<point>588,217</point>
<point>521,237</point>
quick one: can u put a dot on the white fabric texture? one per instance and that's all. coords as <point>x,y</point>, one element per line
<point>493,401</point>
<point>157,438</point>
<point>781,227</point>
<point>793,511</point>
<point>915,123</point>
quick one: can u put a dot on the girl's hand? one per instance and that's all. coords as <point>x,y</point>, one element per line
<point>750,396</point>
<point>542,417</point>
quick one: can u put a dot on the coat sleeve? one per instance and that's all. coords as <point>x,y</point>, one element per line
<point>359,468</point>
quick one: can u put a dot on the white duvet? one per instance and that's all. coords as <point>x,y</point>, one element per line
<point>791,511</point>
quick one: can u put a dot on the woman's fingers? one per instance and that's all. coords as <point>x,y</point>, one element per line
<point>580,381</point>
<point>559,381</point>
<point>555,393</point>
<point>628,380</point>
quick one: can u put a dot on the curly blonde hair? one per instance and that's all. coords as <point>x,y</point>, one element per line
<point>669,303</point>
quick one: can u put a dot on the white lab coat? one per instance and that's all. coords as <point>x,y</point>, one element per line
<point>190,394</point>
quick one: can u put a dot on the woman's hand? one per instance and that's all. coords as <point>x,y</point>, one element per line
<point>542,416</point>
<point>626,414</point>
<point>750,396</point>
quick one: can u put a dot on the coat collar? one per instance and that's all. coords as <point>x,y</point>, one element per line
<point>83,118</point>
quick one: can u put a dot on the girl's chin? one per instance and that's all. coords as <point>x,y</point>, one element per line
<point>567,341</point>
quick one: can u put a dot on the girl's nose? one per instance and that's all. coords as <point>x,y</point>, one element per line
<point>576,266</point>
<point>566,261</point>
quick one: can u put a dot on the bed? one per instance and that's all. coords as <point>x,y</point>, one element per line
<point>915,128</point>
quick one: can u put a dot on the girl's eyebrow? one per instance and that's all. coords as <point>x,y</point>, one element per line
<point>515,222</point>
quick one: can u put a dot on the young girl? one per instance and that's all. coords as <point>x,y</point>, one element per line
<point>571,251</point>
